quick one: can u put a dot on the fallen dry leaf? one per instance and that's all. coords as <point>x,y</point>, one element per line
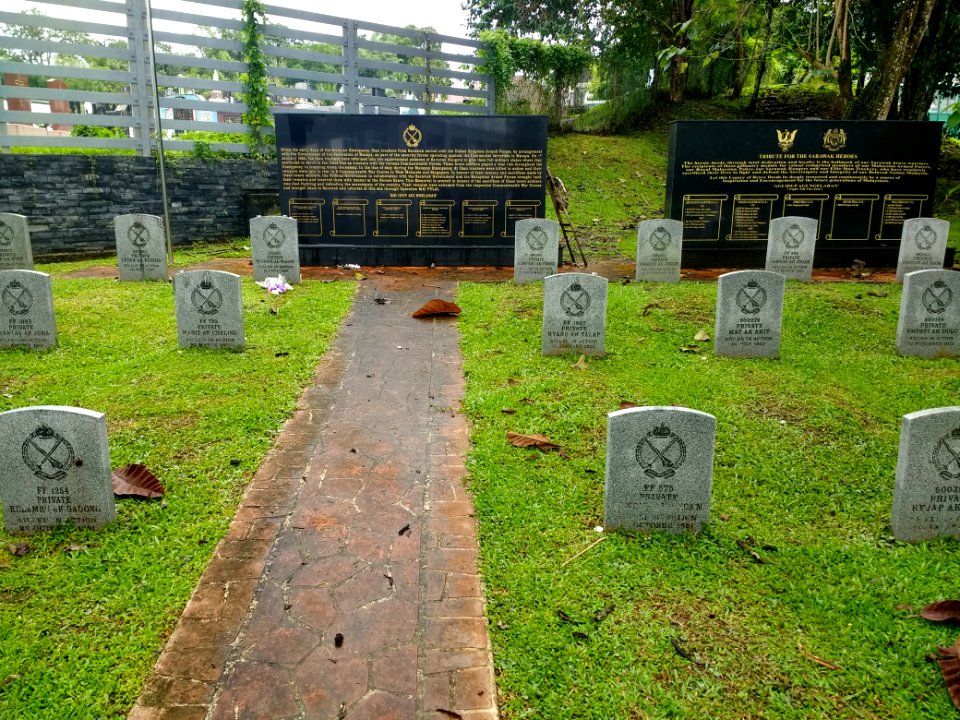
<point>538,441</point>
<point>701,336</point>
<point>136,480</point>
<point>449,713</point>
<point>649,307</point>
<point>580,364</point>
<point>437,307</point>
<point>943,611</point>
<point>624,405</point>
<point>950,669</point>
<point>20,549</point>
<point>507,411</point>
<point>689,348</point>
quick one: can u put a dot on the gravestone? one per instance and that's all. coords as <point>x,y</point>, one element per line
<point>536,250</point>
<point>209,309</point>
<point>926,498</point>
<point>276,249</point>
<point>574,314</point>
<point>15,250</point>
<point>929,324</point>
<point>26,310</point>
<point>790,245</point>
<point>54,467</point>
<point>141,247</point>
<point>659,243</point>
<point>749,314</point>
<point>923,245</point>
<point>659,469</point>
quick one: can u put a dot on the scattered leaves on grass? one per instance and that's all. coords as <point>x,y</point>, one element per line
<point>701,336</point>
<point>540,442</point>
<point>949,662</point>
<point>507,411</point>
<point>602,615</point>
<point>20,549</point>
<point>757,558</point>
<point>136,480</point>
<point>689,348</point>
<point>526,401</point>
<point>566,618</point>
<point>437,307</point>
<point>78,548</point>
<point>655,328</point>
<point>580,364</point>
<point>686,654</point>
<point>943,611</point>
<point>626,404</point>
<point>649,307</point>
<point>878,293</point>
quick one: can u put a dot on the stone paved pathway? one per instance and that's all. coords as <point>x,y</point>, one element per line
<point>347,585</point>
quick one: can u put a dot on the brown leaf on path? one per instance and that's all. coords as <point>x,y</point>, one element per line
<point>943,611</point>
<point>701,336</point>
<point>135,480</point>
<point>538,441</point>
<point>449,713</point>
<point>437,307</point>
<point>580,364</point>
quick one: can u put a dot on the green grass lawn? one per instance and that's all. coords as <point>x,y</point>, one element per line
<point>665,626</point>
<point>84,614</point>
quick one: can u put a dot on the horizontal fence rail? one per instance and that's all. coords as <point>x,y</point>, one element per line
<point>89,83</point>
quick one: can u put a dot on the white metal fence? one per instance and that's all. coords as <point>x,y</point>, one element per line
<point>60,72</point>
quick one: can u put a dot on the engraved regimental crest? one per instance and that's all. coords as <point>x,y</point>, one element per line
<point>785,139</point>
<point>925,238</point>
<point>138,234</point>
<point>274,236</point>
<point>206,298</point>
<point>17,298</point>
<point>575,300</point>
<point>661,452</point>
<point>946,456</point>
<point>412,136</point>
<point>660,238</point>
<point>835,139</point>
<point>47,453</point>
<point>751,298</point>
<point>937,298</point>
<point>793,237</point>
<point>6,234</point>
<point>536,238</point>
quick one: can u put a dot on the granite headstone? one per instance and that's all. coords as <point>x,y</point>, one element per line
<point>536,249</point>
<point>929,324</point>
<point>574,314</point>
<point>15,250</point>
<point>749,314</point>
<point>659,469</point>
<point>141,247</point>
<point>209,309</point>
<point>26,310</point>
<point>276,248</point>
<point>790,246</point>
<point>923,245</point>
<point>659,243</point>
<point>926,498</point>
<point>54,467</point>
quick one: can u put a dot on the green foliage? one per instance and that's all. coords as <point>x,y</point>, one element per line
<point>256,94</point>
<point>98,131</point>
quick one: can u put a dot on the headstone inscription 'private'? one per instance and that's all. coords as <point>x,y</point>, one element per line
<point>209,309</point>
<point>659,244</point>
<point>15,250</point>
<point>26,310</point>
<point>926,499</point>
<point>54,467</point>
<point>574,314</point>
<point>276,249</point>
<point>659,469</point>
<point>749,314</point>
<point>537,249</point>
<point>141,247</point>
<point>923,245</point>
<point>790,246</point>
<point>929,324</point>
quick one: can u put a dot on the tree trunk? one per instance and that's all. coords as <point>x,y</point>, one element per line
<point>680,12</point>
<point>762,64</point>
<point>738,67</point>
<point>934,61</point>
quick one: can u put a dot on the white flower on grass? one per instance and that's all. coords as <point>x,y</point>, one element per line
<point>275,285</point>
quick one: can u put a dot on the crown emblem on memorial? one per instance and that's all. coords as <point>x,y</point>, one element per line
<point>751,298</point>
<point>412,136</point>
<point>660,238</point>
<point>47,453</point>
<point>274,236</point>
<point>6,234</point>
<point>946,455</point>
<point>786,138</point>
<point>575,300</point>
<point>17,298</point>
<point>793,237</point>
<point>925,237</point>
<point>937,298</point>
<point>660,452</point>
<point>138,234</point>
<point>536,238</point>
<point>835,139</point>
<point>206,297</point>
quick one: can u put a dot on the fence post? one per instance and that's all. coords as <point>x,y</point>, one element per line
<point>491,95</point>
<point>142,86</point>
<point>350,69</point>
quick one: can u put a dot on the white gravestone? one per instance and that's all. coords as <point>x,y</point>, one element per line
<point>536,250</point>
<point>141,247</point>
<point>26,310</point>
<point>926,499</point>
<point>923,245</point>
<point>276,248</point>
<point>659,244</point>
<point>209,309</point>
<point>929,323</point>
<point>54,468</point>
<point>749,314</point>
<point>15,250</point>
<point>574,314</point>
<point>659,469</point>
<point>791,243</point>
